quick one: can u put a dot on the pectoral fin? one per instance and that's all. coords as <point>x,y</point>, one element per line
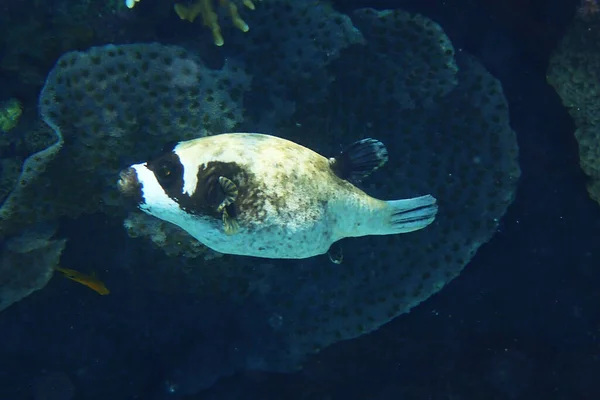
<point>230,190</point>
<point>230,224</point>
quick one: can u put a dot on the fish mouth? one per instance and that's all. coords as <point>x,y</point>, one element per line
<point>129,185</point>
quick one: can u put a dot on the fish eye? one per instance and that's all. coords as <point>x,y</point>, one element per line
<point>165,171</point>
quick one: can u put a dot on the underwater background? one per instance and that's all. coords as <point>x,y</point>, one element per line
<point>491,106</point>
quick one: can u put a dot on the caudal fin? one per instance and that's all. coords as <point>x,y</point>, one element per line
<point>410,214</point>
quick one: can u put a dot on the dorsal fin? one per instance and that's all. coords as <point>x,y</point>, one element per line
<point>359,160</point>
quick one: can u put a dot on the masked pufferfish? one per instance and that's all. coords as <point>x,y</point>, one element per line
<point>259,195</point>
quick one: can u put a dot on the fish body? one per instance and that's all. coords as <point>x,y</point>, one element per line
<point>260,195</point>
<point>88,280</point>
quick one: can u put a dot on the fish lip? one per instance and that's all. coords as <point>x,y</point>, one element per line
<point>129,185</point>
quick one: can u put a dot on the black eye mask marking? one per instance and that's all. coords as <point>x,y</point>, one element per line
<point>168,170</point>
<point>209,194</point>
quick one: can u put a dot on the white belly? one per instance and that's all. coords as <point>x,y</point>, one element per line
<point>267,241</point>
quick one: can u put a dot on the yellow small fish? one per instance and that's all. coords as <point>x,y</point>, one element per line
<point>88,280</point>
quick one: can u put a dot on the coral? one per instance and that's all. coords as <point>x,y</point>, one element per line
<point>402,65</point>
<point>106,108</point>
<point>10,171</point>
<point>24,154</point>
<point>210,14</point>
<point>10,112</point>
<point>29,195</point>
<point>112,106</point>
<point>210,18</point>
<point>287,51</point>
<point>574,72</point>
<point>27,262</point>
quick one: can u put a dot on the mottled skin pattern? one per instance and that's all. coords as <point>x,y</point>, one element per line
<point>290,202</point>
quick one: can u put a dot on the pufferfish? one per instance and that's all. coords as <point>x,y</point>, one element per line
<point>258,195</point>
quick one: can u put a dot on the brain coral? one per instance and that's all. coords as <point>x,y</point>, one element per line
<point>574,72</point>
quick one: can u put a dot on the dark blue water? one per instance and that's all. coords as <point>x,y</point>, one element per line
<point>522,321</point>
